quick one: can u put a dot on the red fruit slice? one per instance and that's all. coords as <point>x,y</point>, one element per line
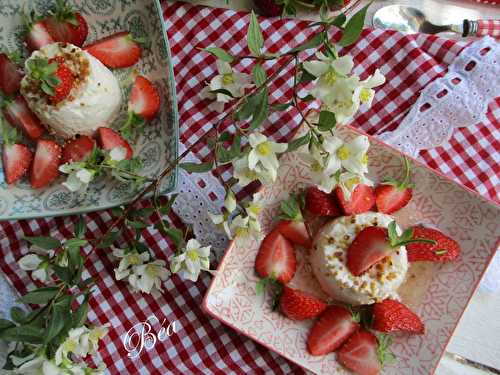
<point>369,247</point>
<point>38,36</point>
<point>18,114</point>
<point>116,51</point>
<point>389,198</point>
<point>66,79</point>
<point>298,305</point>
<point>359,354</point>
<point>10,76</point>
<point>67,26</point>
<point>320,203</point>
<point>109,139</point>
<point>362,200</point>
<point>45,167</point>
<point>276,258</point>
<point>295,231</point>
<point>390,315</point>
<point>77,149</point>
<point>144,98</point>
<point>268,8</point>
<point>445,249</point>
<point>16,160</point>
<point>331,330</point>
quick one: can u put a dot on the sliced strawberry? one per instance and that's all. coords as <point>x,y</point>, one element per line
<point>392,195</point>
<point>65,75</point>
<point>390,315</point>
<point>362,200</point>
<point>16,161</point>
<point>38,36</point>
<point>144,98</point>
<point>18,114</point>
<point>276,258</point>
<point>333,327</point>
<point>295,231</point>
<point>66,25</point>
<point>389,198</point>
<point>10,75</point>
<point>359,354</point>
<point>445,248</point>
<point>109,139</point>
<point>320,203</point>
<point>116,51</point>
<point>77,149</point>
<point>298,305</point>
<point>45,167</point>
<point>369,247</point>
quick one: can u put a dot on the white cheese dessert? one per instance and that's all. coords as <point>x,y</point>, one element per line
<point>94,100</point>
<point>329,257</point>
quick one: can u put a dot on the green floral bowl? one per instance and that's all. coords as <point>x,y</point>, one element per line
<point>157,147</point>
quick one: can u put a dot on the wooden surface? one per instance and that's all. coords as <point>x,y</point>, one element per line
<point>477,336</point>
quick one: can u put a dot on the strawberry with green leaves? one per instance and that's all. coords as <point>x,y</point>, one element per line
<point>365,354</point>
<point>373,244</point>
<point>16,157</point>
<point>443,250</point>
<point>292,225</point>
<point>66,25</point>
<point>37,33</point>
<point>392,195</point>
<point>54,77</point>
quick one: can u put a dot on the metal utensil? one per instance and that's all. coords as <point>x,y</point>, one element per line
<point>411,20</point>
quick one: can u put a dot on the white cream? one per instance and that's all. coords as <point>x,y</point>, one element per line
<point>329,257</point>
<point>96,102</point>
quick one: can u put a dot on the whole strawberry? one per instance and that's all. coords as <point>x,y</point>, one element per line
<point>391,315</point>
<point>298,305</point>
<point>66,25</point>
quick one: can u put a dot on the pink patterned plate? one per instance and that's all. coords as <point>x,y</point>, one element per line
<point>438,293</point>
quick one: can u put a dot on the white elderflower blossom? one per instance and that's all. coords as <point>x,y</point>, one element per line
<point>254,207</point>
<point>323,163</point>
<point>79,176</point>
<point>148,277</point>
<point>38,263</point>
<point>263,154</point>
<point>364,93</point>
<point>353,155</point>
<point>222,220</point>
<point>229,80</point>
<point>193,259</point>
<point>81,341</point>
<point>128,259</point>
<point>245,175</point>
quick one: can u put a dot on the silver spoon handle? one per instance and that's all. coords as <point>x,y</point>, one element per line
<point>481,28</point>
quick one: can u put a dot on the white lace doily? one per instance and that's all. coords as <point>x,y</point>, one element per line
<point>458,99</point>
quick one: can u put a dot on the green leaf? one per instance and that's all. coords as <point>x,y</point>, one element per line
<point>197,168</point>
<point>220,54</point>
<point>40,296</point>
<point>17,314</point>
<point>280,106</point>
<point>117,211</point>
<point>75,242</point>
<point>255,39</point>
<point>262,109</point>
<point>299,142</point>
<point>259,74</point>
<point>307,98</point>
<point>261,285</point>
<point>175,235</point>
<point>338,21</point>
<point>224,137</point>
<point>46,243</point>
<point>246,109</point>
<point>315,41</point>
<point>80,315</point>
<point>353,28</point>
<point>26,334</point>
<point>63,273</point>
<point>165,209</point>
<point>80,228</point>
<point>143,213</point>
<point>56,322</point>
<point>4,323</point>
<point>108,240</point>
<point>226,156</point>
<point>136,224</point>
<point>326,121</point>
<point>306,77</point>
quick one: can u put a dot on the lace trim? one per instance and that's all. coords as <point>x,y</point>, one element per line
<point>458,99</point>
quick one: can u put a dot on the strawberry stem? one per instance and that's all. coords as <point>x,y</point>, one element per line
<point>406,238</point>
<point>406,164</point>
<point>42,71</point>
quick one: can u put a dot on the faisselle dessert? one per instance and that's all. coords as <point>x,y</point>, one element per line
<point>360,257</point>
<point>94,99</point>
<point>61,101</point>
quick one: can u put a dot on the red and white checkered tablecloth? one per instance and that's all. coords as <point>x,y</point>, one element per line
<point>203,345</point>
